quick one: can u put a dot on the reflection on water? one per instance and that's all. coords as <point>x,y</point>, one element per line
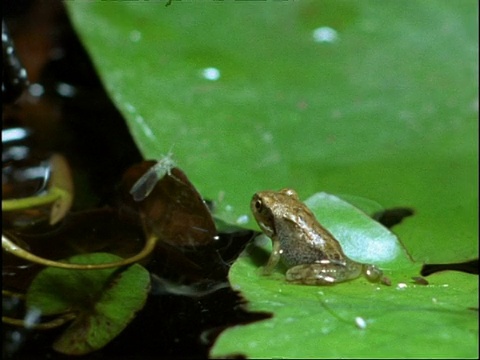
<point>36,90</point>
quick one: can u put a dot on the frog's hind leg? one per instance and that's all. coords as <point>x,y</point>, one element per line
<point>325,273</point>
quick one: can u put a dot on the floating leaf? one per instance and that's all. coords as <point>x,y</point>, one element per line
<point>329,94</point>
<point>356,318</point>
<point>105,301</point>
<point>171,208</point>
<point>362,238</point>
<point>388,110</point>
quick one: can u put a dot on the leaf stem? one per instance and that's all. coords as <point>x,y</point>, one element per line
<point>18,251</point>
<point>51,196</point>
<point>59,321</point>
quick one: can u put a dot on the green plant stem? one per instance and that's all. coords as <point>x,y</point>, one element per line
<point>51,196</point>
<point>16,250</point>
<point>40,326</point>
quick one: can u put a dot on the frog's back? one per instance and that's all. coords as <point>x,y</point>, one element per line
<point>307,242</point>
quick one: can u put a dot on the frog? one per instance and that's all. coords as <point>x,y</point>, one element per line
<point>311,253</point>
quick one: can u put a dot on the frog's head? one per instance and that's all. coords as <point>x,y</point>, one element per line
<point>262,206</point>
<point>270,208</point>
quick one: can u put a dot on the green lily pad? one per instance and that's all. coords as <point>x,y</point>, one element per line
<point>105,301</point>
<point>377,99</point>
<point>386,109</point>
<point>356,318</point>
<point>363,239</point>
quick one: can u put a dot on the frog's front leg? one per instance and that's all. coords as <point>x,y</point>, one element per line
<point>274,257</point>
<point>325,272</point>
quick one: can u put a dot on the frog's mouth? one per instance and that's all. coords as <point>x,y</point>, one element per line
<point>266,229</point>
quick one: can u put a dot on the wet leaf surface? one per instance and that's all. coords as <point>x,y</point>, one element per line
<point>403,320</point>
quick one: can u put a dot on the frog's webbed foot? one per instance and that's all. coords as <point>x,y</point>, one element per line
<point>327,272</point>
<point>374,274</point>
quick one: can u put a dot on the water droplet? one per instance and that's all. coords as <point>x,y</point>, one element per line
<point>325,34</point>
<point>361,323</point>
<point>243,219</point>
<point>211,73</point>
<point>267,137</point>
<point>135,36</point>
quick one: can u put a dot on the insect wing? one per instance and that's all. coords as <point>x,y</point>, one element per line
<point>144,186</point>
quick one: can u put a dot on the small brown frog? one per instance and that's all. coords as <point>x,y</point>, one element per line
<point>311,252</point>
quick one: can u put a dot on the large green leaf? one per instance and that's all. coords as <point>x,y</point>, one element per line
<point>377,99</point>
<point>384,107</point>
<point>362,238</point>
<point>357,318</point>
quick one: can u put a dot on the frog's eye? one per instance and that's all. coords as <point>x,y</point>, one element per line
<point>258,205</point>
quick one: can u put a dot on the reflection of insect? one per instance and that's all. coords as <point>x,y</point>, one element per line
<point>146,183</point>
